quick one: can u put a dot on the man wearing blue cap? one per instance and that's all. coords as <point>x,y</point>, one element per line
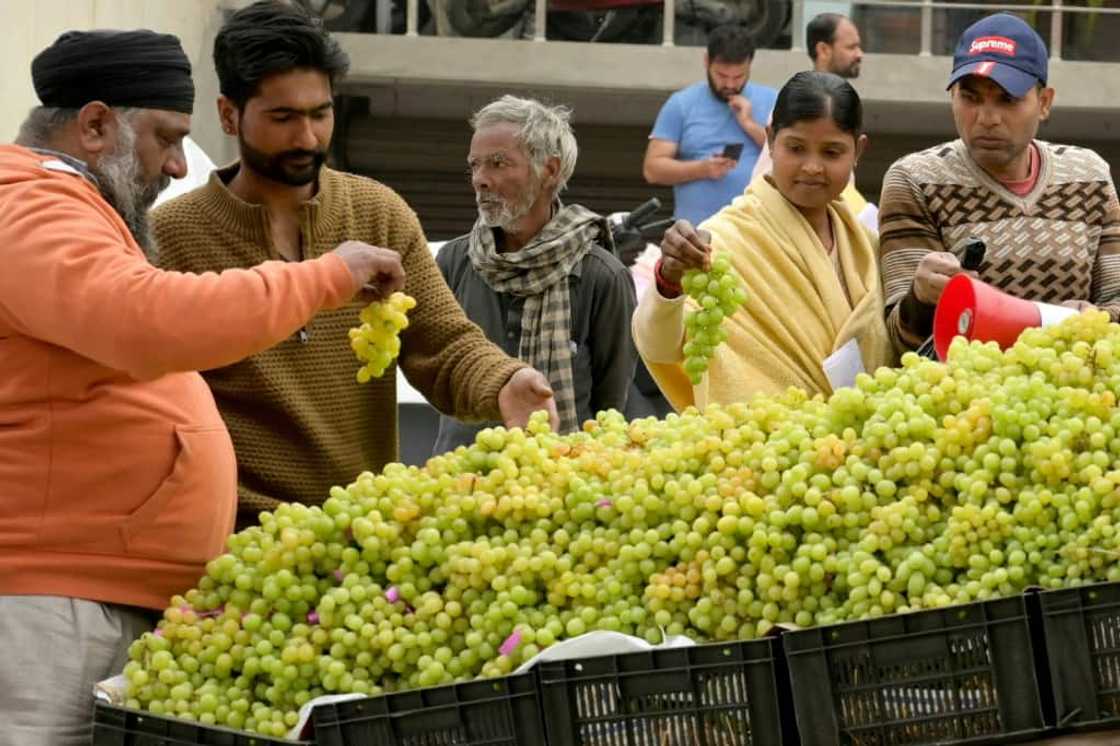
<point>1047,213</point>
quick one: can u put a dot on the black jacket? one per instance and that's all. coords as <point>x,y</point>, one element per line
<point>602,302</point>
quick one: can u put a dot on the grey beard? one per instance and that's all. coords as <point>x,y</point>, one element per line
<point>508,214</point>
<point>137,223</point>
<point>119,181</point>
<point>503,217</point>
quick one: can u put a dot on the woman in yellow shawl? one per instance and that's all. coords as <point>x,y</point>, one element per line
<point>814,311</point>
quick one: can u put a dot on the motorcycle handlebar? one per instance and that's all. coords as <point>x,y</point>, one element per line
<point>656,228</point>
<point>643,211</point>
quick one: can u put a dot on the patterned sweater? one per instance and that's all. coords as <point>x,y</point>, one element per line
<point>1059,242</point>
<point>300,422</point>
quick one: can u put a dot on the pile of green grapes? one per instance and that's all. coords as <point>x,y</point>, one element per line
<point>924,486</point>
<point>718,293</point>
<point>377,341</point>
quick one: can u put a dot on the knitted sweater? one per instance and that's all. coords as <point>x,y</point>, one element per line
<point>1059,242</point>
<point>300,422</point>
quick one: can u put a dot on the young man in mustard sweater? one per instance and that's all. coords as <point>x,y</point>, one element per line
<point>300,423</point>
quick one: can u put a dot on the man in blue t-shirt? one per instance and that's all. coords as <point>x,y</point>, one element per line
<point>694,142</point>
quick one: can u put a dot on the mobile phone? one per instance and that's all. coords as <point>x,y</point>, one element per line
<point>732,150</point>
<point>974,251</point>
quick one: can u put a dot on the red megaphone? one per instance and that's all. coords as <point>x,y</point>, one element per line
<point>976,310</point>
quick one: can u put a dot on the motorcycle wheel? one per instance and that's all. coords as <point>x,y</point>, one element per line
<point>475,18</point>
<point>765,20</point>
<point>341,15</point>
<point>629,25</point>
<point>768,21</point>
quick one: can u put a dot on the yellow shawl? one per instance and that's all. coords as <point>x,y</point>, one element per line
<point>796,313</point>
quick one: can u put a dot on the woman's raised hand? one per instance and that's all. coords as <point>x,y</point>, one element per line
<point>683,248</point>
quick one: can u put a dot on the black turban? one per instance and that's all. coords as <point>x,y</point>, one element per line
<point>141,69</point>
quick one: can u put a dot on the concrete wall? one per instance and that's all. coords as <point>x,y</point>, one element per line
<point>898,81</point>
<point>420,91</point>
<point>31,25</point>
<point>625,85</point>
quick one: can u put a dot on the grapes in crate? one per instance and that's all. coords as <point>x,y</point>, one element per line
<point>920,487</point>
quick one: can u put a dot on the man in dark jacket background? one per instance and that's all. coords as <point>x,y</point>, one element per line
<point>537,275</point>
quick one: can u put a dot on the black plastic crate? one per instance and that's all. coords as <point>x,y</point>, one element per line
<point>120,726</point>
<point>494,712</point>
<point>1081,627</point>
<point>962,674</point>
<point>722,694</point>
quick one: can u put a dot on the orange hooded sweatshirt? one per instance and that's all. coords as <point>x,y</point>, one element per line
<point>117,475</point>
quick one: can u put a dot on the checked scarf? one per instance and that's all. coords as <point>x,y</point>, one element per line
<point>539,274</point>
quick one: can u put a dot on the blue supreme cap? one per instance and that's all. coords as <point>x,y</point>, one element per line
<point>1004,48</point>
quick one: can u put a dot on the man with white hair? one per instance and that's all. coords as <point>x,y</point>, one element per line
<point>537,275</point>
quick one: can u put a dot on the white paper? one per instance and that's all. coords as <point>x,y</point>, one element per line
<point>296,733</point>
<point>1051,314</point>
<point>842,366</point>
<point>591,644</point>
<point>112,691</point>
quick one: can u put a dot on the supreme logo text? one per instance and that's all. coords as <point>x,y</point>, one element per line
<point>993,45</point>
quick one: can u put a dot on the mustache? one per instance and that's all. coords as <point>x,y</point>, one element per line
<point>293,154</point>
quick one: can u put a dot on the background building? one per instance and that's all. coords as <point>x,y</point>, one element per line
<point>411,95</point>
<point>29,26</point>
<point>403,110</point>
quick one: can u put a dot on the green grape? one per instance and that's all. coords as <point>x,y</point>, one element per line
<point>920,487</point>
<point>376,342</point>
<point>718,293</point>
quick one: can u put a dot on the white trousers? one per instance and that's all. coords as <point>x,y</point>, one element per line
<point>55,650</point>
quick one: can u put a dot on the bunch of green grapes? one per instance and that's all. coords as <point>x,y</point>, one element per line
<point>919,487</point>
<point>718,293</point>
<point>377,341</point>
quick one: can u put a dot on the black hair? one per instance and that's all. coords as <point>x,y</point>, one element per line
<point>813,95</point>
<point>730,43</point>
<point>270,37</point>
<point>822,28</point>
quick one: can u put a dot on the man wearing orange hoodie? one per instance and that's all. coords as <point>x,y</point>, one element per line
<point>117,475</point>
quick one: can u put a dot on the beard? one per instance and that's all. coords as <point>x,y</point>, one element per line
<point>849,72</point>
<point>121,183</point>
<point>292,167</point>
<point>724,94</point>
<point>496,212</point>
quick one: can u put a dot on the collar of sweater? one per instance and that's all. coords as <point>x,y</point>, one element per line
<point>250,221</point>
<point>1024,202</point>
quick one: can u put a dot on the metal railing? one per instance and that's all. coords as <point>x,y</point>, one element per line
<point>1056,8</point>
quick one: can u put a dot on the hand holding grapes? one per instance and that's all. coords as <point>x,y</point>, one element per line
<point>527,391</point>
<point>687,262</point>
<point>683,248</point>
<point>377,272</point>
